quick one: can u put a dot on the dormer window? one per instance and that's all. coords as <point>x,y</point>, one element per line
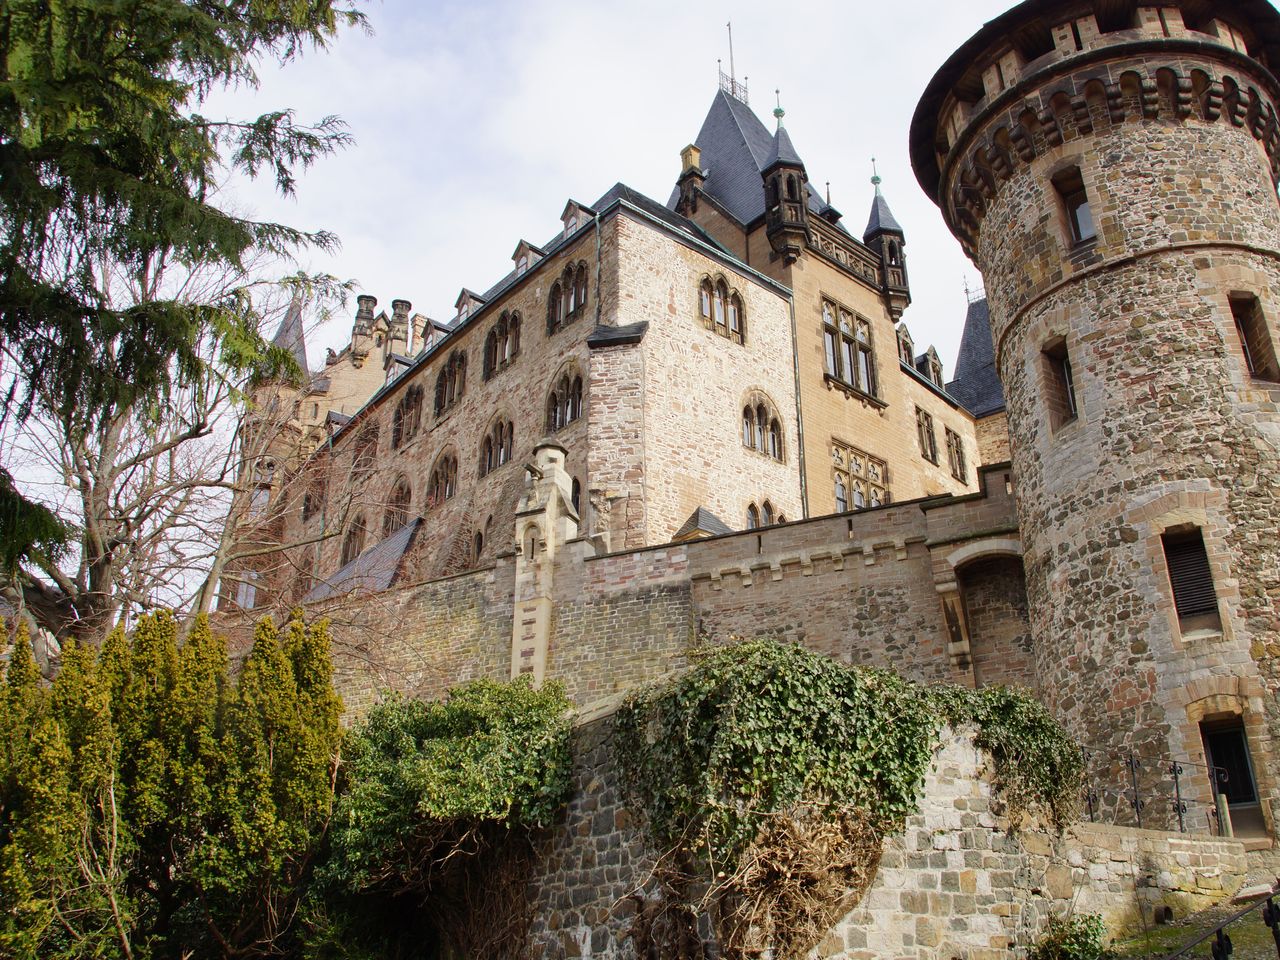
<point>522,265</point>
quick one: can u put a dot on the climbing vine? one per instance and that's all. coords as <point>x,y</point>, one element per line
<point>767,777</point>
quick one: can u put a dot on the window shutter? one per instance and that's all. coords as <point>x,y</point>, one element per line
<point>1189,574</point>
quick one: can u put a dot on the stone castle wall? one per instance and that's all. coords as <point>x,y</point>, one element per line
<point>954,883</point>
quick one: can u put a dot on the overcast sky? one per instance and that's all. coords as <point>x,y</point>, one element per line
<point>475,122</point>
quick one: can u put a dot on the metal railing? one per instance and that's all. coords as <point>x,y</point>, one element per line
<point>1221,946</point>
<point>1144,784</point>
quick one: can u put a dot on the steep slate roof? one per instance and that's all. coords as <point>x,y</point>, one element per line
<point>371,572</point>
<point>882,217</point>
<point>702,520</point>
<point>783,150</point>
<point>736,147</point>
<point>976,384</point>
<point>291,336</point>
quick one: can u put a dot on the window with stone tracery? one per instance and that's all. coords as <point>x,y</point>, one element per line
<point>443,483</point>
<point>407,417</point>
<point>847,347</point>
<point>860,480</point>
<point>567,299</point>
<point>761,428</point>
<point>502,345</point>
<point>397,514</point>
<point>495,449</point>
<point>451,381</point>
<point>564,403</point>
<point>955,456</point>
<point>720,307</point>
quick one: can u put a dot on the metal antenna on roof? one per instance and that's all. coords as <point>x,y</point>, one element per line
<point>732,74</point>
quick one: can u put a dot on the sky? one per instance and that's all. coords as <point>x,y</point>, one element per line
<point>475,122</point>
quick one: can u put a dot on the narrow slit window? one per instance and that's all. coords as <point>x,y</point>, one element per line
<point>1060,386</point>
<point>1191,578</point>
<point>1075,204</point>
<point>1255,338</point>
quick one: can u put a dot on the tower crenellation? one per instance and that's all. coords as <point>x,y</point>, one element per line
<point>1112,170</point>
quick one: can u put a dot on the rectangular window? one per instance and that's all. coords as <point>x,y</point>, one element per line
<point>1075,204</point>
<point>955,456</point>
<point>1255,337</point>
<point>928,440</point>
<point>1060,385</point>
<point>1191,579</point>
<point>247,591</point>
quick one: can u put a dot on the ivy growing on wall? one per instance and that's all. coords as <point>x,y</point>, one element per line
<point>768,776</point>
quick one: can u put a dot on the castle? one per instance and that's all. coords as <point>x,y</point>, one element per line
<point>706,417</point>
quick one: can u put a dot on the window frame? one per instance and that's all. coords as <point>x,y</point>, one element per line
<point>956,458</point>
<point>849,349</point>
<point>1073,197</point>
<point>1196,602</point>
<point>926,436</point>
<point>1059,384</point>
<point>1254,334</point>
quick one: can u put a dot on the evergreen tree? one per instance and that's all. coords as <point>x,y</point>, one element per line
<point>107,182</point>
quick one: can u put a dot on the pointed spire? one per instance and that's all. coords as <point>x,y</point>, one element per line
<point>291,335</point>
<point>778,112</point>
<point>882,219</point>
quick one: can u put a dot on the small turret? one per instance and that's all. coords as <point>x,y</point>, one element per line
<point>786,206</point>
<point>398,334</point>
<point>691,180</point>
<point>884,235</point>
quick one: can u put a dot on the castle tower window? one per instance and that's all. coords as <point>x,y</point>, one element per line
<point>576,495</point>
<point>955,456</point>
<point>397,514</point>
<point>1060,385</point>
<point>555,308</point>
<point>407,417</point>
<point>366,452</point>
<point>353,542</point>
<point>1191,580</point>
<point>451,382</point>
<point>477,546</point>
<point>1075,205</point>
<point>1255,337</point>
<point>753,517</point>
<point>247,590</point>
<point>444,480</point>
<point>928,440</point>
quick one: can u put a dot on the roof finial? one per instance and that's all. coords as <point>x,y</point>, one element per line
<point>828,193</point>
<point>875,176</point>
<point>778,112</point>
<point>732,74</point>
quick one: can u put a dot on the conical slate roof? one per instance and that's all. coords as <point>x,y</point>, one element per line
<point>882,218</point>
<point>976,384</point>
<point>291,336</point>
<point>783,151</point>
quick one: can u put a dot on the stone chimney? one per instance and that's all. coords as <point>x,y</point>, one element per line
<point>364,310</point>
<point>691,180</point>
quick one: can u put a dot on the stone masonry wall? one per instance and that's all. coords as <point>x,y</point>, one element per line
<point>954,883</point>
<point>995,602</point>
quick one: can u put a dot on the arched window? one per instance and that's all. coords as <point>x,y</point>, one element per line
<point>495,450</point>
<point>704,301</point>
<point>793,187</point>
<point>761,428</point>
<point>397,514</point>
<point>753,517</point>
<point>490,354</point>
<point>513,337</point>
<point>477,546</point>
<point>407,417</point>
<point>555,308</point>
<point>564,403</point>
<point>444,479</point>
<point>767,514</point>
<point>451,381</point>
<point>718,305</point>
<point>580,286</point>
<point>366,452</point>
<point>353,542</point>
<point>736,329</point>
<point>842,496</point>
<point>859,498</point>
<point>576,495</point>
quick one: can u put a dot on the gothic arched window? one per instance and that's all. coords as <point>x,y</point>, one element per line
<point>397,514</point>
<point>767,514</point>
<point>748,426</point>
<point>753,517</point>
<point>555,308</point>
<point>451,381</point>
<point>564,403</point>
<point>496,448</point>
<point>366,452</point>
<point>443,483</point>
<point>353,542</point>
<point>761,427</point>
<point>842,496</point>
<point>407,417</point>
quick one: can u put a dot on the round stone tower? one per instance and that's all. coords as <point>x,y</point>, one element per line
<point>1111,167</point>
